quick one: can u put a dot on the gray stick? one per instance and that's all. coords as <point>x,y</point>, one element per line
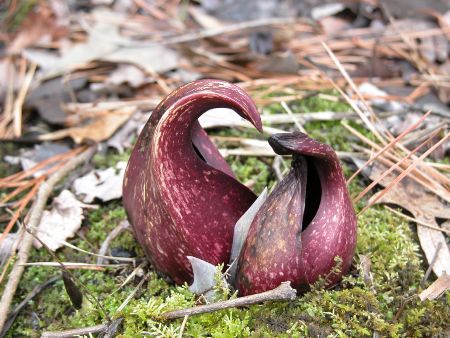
<point>282,292</point>
<point>37,209</point>
<point>76,332</point>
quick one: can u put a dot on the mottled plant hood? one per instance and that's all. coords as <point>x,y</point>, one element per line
<point>303,226</point>
<point>183,201</point>
<point>179,193</point>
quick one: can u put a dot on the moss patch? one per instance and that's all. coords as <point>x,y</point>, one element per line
<point>352,309</point>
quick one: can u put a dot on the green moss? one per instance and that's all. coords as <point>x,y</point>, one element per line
<point>102,161</point>
<point>352,309</point>
<point>257,172</point>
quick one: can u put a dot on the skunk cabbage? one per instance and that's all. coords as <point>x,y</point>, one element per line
<point>182,199</point>
<point>179,194</point>
<point>305,223</point>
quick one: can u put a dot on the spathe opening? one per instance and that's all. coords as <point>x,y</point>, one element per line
<point>199,154</point>
<point>313,194</point>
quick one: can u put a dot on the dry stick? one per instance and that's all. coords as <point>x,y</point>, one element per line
<point>233,28</point>
<point>76,332</point>
<point>430,267</point>
<point>388,171</point>
<point>193,36</point>
<point>131,275</point>
<point>416,175</point>
<point>22,206</point>
<point>37,209</point>
<point>124,225</point>
<point>183,325</point>
<point>18,190</point>
<point>412,219</point>
<point>9,99</point>
<point>76,265</point>
<point>26,173</point>
<point>389,145</point>
<point>295,119</point>
<point>17,110</point>
<point>131,295</point>
<point>368,123</point>
<point>282,292</point>
<point>120,259</point>
<point>405,173</point>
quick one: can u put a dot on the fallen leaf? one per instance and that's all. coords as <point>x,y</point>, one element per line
<point>323,11</point>
<point>423,205</point>
<point>281,62</point>
<point>333,24</point>
<point>127,74</point>
<point>38,26</point>
<point>123,137</point>
<point>379,97</point>
<point>39,153</point>
<point>436,289</point>
<point>60,223</point>
<point>74,293</point>
<point>105,185</point>
<point>365,268</point>
<point>154,59</point>
<point>406,8</point>
<point>42,57</point>
<point>48,98</point>
<point>97,129</point>
<point>6,247</point>
<point>104,43</point>
<point>204,276</point>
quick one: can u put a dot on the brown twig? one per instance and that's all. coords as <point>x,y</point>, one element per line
<point>389,145</point>
<point>17,108</point>
<point>124,225</point>
<point>430,268</point>
<point>404,173</point>
<point>37,209</point>
<point>396,166</point>
<point>282,292</point>
<point>412,219</point>
<point>108,330</point>
<point>76,332</point>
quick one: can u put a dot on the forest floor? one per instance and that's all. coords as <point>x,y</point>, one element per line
<point>372,82</point>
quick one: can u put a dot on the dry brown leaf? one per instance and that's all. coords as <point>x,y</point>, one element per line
<point>60,223</point>
<point>105,185</point>
<point>38,25</point>
<point>98,129</point>
<point>424,206</point>
<point>105,43</point>
<point>436,289</point>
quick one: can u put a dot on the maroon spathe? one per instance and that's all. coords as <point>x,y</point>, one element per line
<point>276,249</point>
<point>178,204</point>
<point>182,199</point>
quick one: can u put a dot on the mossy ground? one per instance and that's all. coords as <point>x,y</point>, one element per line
<point>389,307</point>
